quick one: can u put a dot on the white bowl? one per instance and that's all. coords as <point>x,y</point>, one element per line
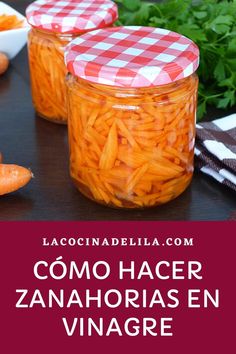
<point>12,41</point>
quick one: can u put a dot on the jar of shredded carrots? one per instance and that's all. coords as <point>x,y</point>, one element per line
<point>132,94</point>
<point>54,25</point>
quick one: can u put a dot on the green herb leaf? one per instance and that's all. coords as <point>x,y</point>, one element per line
<point>230,95</point>
<point>223,102</point>
<point>132,5</point>
<point>201,110</point>
<point>227,82</point>
<point>219,72</point>
<point>200,14</point>
<point>209,23</point>
<point>221,24</point>
<point>192,31</point>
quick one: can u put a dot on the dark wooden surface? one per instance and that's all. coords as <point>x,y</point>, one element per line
<point>42,146</point>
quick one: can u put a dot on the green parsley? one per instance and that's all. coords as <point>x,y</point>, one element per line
<point>211,24</point>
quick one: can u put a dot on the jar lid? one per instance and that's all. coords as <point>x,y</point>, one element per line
<point>73,16</point>
<point>132,56</point>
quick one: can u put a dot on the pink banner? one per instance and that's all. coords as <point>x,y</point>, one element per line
<point>127,287</point>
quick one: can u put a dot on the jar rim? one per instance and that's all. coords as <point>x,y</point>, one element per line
<point>138,92</point>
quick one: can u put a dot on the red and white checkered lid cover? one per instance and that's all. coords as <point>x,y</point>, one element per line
<point>132,56</point>
<point>71,16</point>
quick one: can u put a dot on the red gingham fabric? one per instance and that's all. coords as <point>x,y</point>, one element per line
<point>71,16</point>
<point>132,56</point>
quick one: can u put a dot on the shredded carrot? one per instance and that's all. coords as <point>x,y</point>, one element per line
<point>10,22</point>
<point>132,157</point>
<point>110,149</point>
<point>48,71</point>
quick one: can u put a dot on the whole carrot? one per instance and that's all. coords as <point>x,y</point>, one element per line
<point>13,177</point>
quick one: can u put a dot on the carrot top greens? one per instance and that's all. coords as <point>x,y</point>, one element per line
<point>211,24</point>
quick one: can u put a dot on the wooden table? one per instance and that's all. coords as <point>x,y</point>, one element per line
<point>42,146</point>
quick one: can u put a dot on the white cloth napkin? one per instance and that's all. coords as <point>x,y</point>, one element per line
<point>215,151</point>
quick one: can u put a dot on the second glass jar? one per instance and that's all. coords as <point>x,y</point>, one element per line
<point>54,24</point>
<point>47,72</point>
<point>132,148</point>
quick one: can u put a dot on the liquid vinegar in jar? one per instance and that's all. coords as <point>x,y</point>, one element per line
<point>132,115</point>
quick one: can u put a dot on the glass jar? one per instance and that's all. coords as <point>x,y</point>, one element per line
<point>54,25</point>
<point>47,72</point>
<point>130,147</point>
